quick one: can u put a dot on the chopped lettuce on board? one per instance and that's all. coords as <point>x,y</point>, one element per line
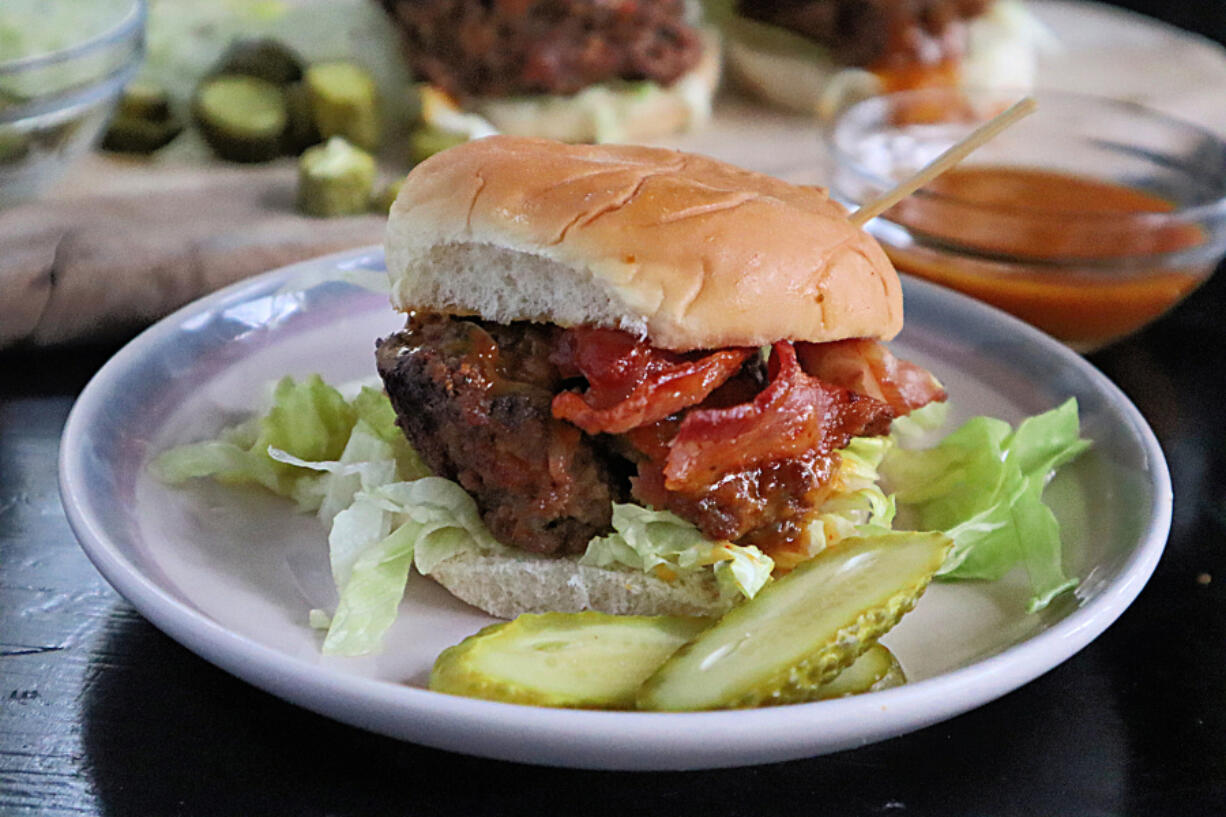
<point>348,461</point>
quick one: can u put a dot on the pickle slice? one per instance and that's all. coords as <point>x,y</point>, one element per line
<point>261,57</point>
<point>335,179</point>
<point>876,669</point>
<point>343,102</point>
<point>242,118</point>
<point>579,660</point>
<point>300,130</point>
<point>130,134</point>
<point>801,630</point>
<point>144,100</point>
<point>143,122</point>
<point>425,141</point>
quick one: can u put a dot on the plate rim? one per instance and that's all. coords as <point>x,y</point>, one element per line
<point>445,721</point>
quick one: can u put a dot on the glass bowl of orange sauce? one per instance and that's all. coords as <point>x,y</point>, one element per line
<point>1088,219</point>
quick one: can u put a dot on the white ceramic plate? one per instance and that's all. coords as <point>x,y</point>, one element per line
<point>231,574</point>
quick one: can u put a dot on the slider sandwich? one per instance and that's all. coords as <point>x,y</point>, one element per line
<point>574,70</point>
<point>818,55</point>
<point>643,366</point>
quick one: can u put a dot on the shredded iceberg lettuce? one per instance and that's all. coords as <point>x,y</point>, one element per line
<point>377,538</point>
<point>348,461</point>
<point>375,541</point>
<point>332,456</point>
<point>308,419</point>
<point>382,527</point>
<point>662,543</point>
<point>857,505</point>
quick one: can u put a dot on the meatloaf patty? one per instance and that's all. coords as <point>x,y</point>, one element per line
<point>474,399</point>
<point>499,48</point>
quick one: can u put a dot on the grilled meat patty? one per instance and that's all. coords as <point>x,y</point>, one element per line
<point>474,399</point>
<point>499,48</point>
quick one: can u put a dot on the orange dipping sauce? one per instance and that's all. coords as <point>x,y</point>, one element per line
<point>1087,261</point>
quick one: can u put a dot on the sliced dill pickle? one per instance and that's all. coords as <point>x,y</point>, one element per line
<point>578,660</point>
<point>300,130</point>
<point>242,118</point>
<point>130,134</point>
<point>874,670</point>
<point>801,630</point>
<point>141,99</point>
<point>427,140</point>
<point>335,179</point>
<point>143,121</point>
<point>343,102</point>
<point>261,57</point>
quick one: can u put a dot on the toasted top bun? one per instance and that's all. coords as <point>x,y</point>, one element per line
<point>685,251</point>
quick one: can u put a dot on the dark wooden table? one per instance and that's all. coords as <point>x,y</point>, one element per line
<point>102,714</point>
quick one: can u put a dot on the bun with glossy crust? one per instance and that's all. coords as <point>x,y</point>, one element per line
<point>686,251</point>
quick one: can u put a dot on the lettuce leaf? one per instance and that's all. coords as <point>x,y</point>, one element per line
<point>378,537</point>
<point>378,526</point>
<point>367,461</point>
<point>309,420</point>
<point>983,486</point>
<point>373,406</point>
<point>911,430</point>
<point>371,593</point>
<point>335,457</point>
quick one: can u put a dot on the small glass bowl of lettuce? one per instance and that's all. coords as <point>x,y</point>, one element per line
<point>63,64</point>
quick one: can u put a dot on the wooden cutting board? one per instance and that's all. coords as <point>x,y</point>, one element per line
<point>120,243</point>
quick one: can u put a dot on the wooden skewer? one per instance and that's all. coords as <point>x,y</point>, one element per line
<point>956,153</point>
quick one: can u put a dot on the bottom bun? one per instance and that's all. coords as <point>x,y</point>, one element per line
<point>611,113</point>
<point>505,586</point>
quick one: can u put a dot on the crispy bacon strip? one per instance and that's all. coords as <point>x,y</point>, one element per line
<point>631,384</point>
<point>795,415</point>
<point>867,367</point>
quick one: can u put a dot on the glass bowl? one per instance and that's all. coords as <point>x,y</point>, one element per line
<point>1088,219</point>
<point>63,65</point>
